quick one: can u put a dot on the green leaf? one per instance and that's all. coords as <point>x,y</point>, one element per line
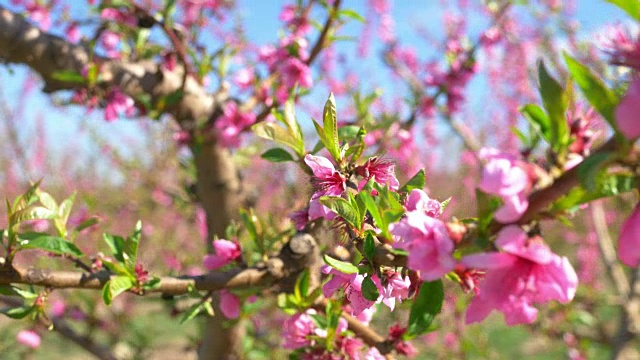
<point>416,182</point>
<point>302,285</point>
<point>374,210</point>
<point>272,131</point>
<point>47,200</point>
<point>52,244</point>
<point>69,76</point>
<point>352,14</point>
<point>487,205</point>
<point>631,7</point>
<point>369,289</point>
<point>538,119</point>
<point>611,185</point>
<point>426,306</point>
<point>369,247</point>
<point>114,287</point>
<point>17,312</point>
<point>330,123</point>
<point>191,312</point>
<point>555,102</point>
<point>344,209</point>
<point>131,245</point>
<point>32,213</point>
<point>599,96</point>
<point>116,244</point>
<point>277,155</point>
<point>87,223</point>
<point>342,266</point>
<point>589,169</point>
<point>348,132</point>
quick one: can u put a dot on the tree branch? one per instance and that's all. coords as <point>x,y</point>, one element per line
<point>23,43</point>
<point>293,258</point>
<point>61,327</point>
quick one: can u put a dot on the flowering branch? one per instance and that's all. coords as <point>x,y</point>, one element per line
<point>293,258</point>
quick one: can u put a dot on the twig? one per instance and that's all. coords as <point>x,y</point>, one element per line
<point>605,243</point>
<point>61,327</point>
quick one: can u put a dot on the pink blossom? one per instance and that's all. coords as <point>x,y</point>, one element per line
<point>72,33</point>
<point>288,13</point>
<point>381,170</point>
<point>374,354</point>
<point>229,304</point>
<point>225,252</point>
<point>300,218</point>
<point>244,78</point>
<point>629,245</point>
<point>58,308</point>
<point>418,200</point>
<point>352,285</point>
<point>526,273</point>
<point>503,176</point>
<point>512,208</point>
<point>40,15</point>
<point>500,175</point>
<point>118,103</point>
<point>110,41</point>
<point>326,182</point>
<point>298,330</point>
<point>381,6</point>
<point>169,61</point>
<point>627,118</point>
<point>118,16</point>
<point>428,243</point>
<point>232,122</point>
<point>294,72</point>
<point>386,31</point>
<point>29,338</point>
<point>397,289</point>
<point>622,47</point>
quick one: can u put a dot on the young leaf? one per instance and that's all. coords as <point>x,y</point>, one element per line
<point>369,247</point>
<point>302,285</point>
<point>369,289</point>
<point>416,182</point>
<point>631,7</point>
<point>599,96</point>
<point>330,123</point>
<point>87,223</point>
<point>17,312</point>
<point>426,306</point>
<point>52,244</point>
<point>272,131</point>
<point>555,102</point>
<point>114,287</point>
<point>191,312</point>
<point>342,266</point>
<point>116,244</point>
<point>538,119</point>
<point>343,208</point>
<point>589,169</point>
<point>130,248</point>
<point>277,155</point>
<point>31,213</point>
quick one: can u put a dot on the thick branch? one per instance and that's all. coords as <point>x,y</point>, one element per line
<point>294,257</point>
<point>23,43</point>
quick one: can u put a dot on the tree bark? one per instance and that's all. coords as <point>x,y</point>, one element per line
<point>218,190</point>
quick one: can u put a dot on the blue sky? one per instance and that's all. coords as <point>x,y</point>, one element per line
<point>262,24</point>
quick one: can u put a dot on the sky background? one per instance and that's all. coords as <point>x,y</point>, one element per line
<point>71,125</point>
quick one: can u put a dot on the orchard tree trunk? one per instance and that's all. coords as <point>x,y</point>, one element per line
<point>218,190</point>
